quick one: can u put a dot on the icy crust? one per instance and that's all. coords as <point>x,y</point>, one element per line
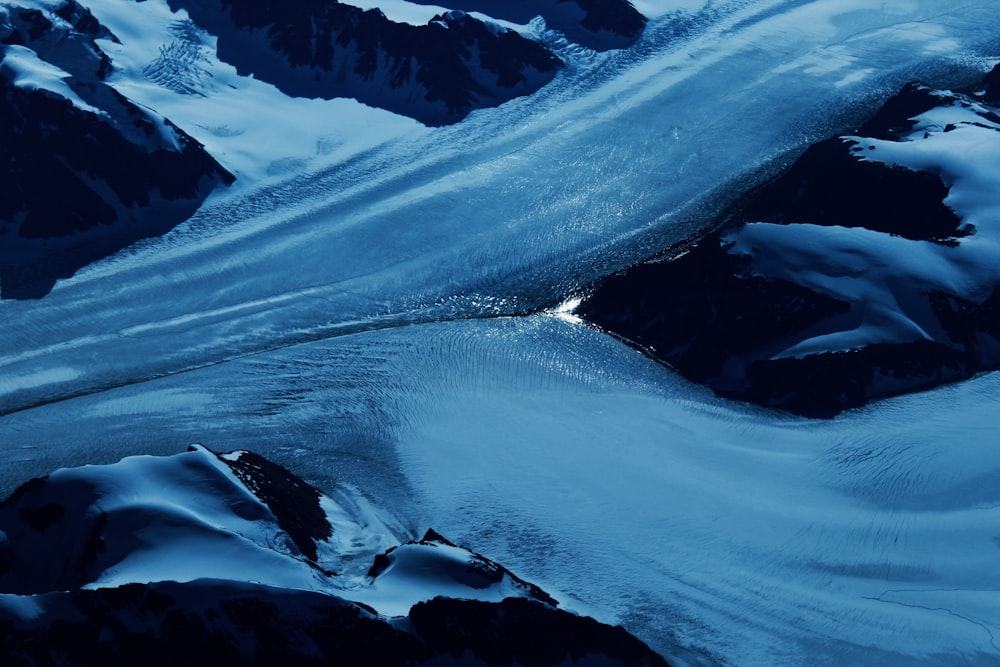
<point>436,73</point>
<point>87,171</point>
<point>199,552</point>
<point>870,268</point>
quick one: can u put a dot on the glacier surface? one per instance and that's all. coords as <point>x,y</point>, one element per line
<point>373,305</point>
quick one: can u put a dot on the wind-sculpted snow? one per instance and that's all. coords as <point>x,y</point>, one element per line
<point>345,307</point>
<point>167,559</point>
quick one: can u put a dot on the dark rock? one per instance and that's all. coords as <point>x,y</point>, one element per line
<point>202,622</point>
<point>214,622</point>
<point>991,87</point>
<point>720,319</point>
<point>517,631</point>
<point>596,24</point>
<point>82,179</point>
<point>829,186</point>
<point>436,73</point>
<point>618,17</point>
<point>294,503</point>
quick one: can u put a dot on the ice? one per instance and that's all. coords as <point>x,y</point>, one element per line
<point>39,379</point>
<point>391,223</point>
<point>621,489</point>
<point>21,606</point>
<point>359,308</point>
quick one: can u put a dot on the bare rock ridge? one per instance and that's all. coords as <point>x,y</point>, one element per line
<point>849,277</point>
<point>597,24</point>
<point>436,73</point>
<point>86,171</point>
<point>202,557</point>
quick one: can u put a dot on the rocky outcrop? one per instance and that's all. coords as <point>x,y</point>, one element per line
<point>218,622</point>
<point>436,73</point>
<point>205,558</point>
<point>85,172</point>
<point>865,270</point>
<point>597,24</point>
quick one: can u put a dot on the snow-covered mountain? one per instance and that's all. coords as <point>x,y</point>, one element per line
<point>869,268</point>
<point>86,172</point>
<point>230,557</point>
<point>391,308</point>
<point>436,72</point>
<point>596,24</point>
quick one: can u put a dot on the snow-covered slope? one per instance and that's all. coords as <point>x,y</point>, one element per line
<point>85,172</point>
<point>180,557</point>
<point>436,73</point>
<point>870,268</point>
<point>234,516</point>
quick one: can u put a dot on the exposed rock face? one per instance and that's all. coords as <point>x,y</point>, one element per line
<point>866,270</point>
<point>436,73</point>
<point>86,172</point>
<point>295,504</point>
<point>472,570</point>
<point>203,557</point>
<point>219,622</point>
<point>596,24</point>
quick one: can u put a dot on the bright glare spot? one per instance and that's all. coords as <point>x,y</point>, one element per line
<point>566,310</point>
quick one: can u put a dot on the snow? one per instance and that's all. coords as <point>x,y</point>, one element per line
<point>419,572</point>
<point>353,308</point>
<point>28,71</point>
<point>187,517</point>
<point>613,484</point>
<point>402,11</point>
<point>21,606</point>
<point>968,161</point>
<point>871,270</point>
<point>876,271</point>
<point>254,131</point>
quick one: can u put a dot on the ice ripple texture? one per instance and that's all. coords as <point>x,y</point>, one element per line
<point>369,319</point>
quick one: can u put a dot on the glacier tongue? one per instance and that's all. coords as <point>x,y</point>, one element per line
<point>344,303</point>
<point>507,211</point>
<point>737,533</point>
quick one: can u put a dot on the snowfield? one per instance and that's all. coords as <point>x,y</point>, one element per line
<point>375,305</point>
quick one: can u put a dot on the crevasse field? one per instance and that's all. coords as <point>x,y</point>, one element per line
<point>386,309</point>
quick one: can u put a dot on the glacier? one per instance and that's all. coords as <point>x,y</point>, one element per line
<point>374,304</point>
